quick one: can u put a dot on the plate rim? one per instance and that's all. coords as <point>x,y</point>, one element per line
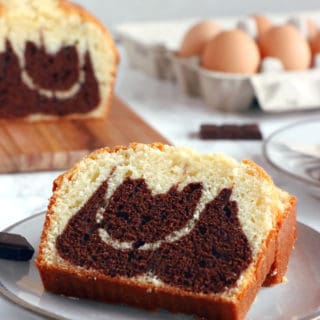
<point>12,298</point>
<point>275,165</point>
<point>19,302</point>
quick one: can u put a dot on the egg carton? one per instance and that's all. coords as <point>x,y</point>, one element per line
<point>152,46</point>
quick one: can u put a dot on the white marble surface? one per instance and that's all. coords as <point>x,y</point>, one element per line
<point>178,118</point>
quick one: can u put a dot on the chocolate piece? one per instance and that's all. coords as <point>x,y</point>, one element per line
<point>209,258</point>
<point>50,72</point>
<point>15,247</point>
<point>230,131</point>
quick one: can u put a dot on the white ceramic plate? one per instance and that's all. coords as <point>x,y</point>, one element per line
<point>299,298</point>
<point>295,150</point>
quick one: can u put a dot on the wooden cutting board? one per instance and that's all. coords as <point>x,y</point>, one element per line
<point>59,144</point>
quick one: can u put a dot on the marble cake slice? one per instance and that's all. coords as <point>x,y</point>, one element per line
<point>56,60</point>
<point>156,226</point>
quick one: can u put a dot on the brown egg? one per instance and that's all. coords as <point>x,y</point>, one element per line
<point>287,44</point>
<point>196,38</point>
<point>306,26</point>
<point>263,23</point>
<point>312,29</point>
<point>315,44</point>
<point>231,51</point>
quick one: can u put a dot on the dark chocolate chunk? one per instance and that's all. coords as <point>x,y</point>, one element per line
<point>230,131</point>
<point>15,247</point>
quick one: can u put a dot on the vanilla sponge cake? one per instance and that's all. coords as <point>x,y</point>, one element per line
<point>56,60</point>
<point>157,226</point>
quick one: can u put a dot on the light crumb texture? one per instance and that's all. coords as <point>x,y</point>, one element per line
<point>55,24</point>
<point>259,202</point>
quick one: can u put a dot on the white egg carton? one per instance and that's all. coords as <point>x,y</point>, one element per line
<point>151,47</point>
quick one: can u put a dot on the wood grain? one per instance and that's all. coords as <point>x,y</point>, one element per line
<point>59,144</point>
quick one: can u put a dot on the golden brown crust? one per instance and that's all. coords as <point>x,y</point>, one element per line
<point>254,169</point>
<point>133,145</point>
<point>117,291</point>
<point>262,267</point>
<point>286,236</point>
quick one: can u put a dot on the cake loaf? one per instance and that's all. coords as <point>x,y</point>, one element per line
<point>156,226</point>
<point>56,60</point>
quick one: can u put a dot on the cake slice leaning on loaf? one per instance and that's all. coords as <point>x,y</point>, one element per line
<point>156,226</point>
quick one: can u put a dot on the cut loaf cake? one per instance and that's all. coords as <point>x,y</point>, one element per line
<point>156,226</point>
<point>56,60</point>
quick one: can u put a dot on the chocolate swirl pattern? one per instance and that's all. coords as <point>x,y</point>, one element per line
<point>43,84</point>
<point>142,239</point>
<point>59,71</point>
<point>57,60</point>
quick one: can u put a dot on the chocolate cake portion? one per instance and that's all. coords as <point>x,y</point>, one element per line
<point>212,256</point>
<point>134,214</point>
<point>59,71</point>
<point>55,73</point>
<point>143,228</point>
<point>15,247</point>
